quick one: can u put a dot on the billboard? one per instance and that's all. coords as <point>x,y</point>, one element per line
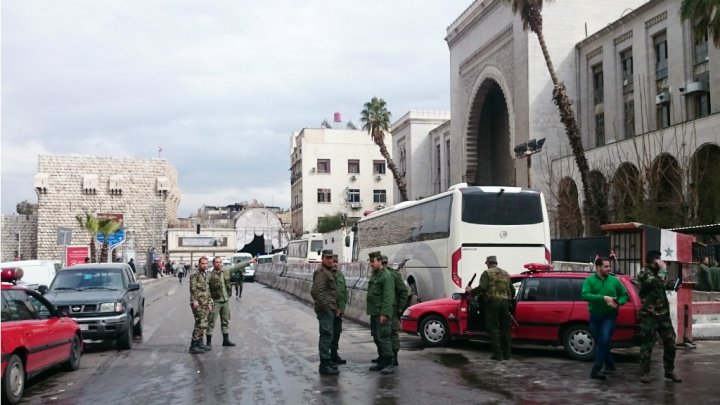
<point>76,255</point>
<point>118,236</point>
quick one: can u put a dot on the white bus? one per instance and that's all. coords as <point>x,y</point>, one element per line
<point>448,236</point>
<point>307,249</point>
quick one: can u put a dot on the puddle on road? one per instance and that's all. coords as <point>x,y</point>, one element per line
<point>490,380</point>
<point>452,359</point>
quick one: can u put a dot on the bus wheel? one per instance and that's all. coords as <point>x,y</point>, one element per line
<point>434,331</point>
<point>414,299</point>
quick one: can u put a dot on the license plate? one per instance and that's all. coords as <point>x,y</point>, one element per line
<point>83,327</point>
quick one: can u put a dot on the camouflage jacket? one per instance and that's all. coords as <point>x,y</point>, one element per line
<point>381,293</point>
<point>216,281</point>
<point>324,290</point>
<point>237,271</point>
<point>652,294</point>
<point>401,290</point>
<point>342,293</point>
<point>495,284</point>
<point>199,290</point>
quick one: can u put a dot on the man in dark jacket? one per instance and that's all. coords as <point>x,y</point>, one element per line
<point>325,294</point>
<point>131,263</point>
<point>380,303</point>
<point>342,296</point>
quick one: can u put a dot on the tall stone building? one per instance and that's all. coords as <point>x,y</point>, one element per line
<point>18,236</point>
<point>143,190</point>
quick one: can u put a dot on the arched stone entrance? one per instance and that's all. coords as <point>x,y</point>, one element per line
<point>569,217</point>
<point>666,192</point>
<point>599,188</point>
<point>626,193</point>
<point>706,184</point>
<point>489,161</point>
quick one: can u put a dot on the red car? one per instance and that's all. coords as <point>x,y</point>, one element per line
<point>548,310</point>
<point>35,337</point>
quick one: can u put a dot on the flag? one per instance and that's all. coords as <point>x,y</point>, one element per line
<point>675,247</point>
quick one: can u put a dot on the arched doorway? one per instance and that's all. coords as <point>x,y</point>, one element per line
<point>626,193</point>
<point>569,217</point>
<point>666,193</point>
<point>488,138</point>
<point>706,184</point>
<point>599,189</point>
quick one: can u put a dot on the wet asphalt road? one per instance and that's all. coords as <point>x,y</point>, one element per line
<point>276,362</point>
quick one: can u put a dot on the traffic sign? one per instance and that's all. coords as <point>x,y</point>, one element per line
<point>114,239</point>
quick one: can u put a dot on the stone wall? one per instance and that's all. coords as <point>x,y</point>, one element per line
<point>131,186</point>
<point>25,226</point>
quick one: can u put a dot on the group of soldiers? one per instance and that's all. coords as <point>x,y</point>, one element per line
<point>210,292</point>
<point>387,297</point>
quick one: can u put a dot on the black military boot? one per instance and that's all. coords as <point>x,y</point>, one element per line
<point>226,340</point>
<point>195,347</point>
<point>379,365</point>
<point>388,369</point>
<point>208,342</point>
<point>395,362</point>
<point>335,358</point>
<point>327,369</point>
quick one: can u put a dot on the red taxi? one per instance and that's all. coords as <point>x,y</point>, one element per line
<point>35,337</point>
<point>548,310</point>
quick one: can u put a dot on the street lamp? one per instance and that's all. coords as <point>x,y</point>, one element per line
<point>527,149</point>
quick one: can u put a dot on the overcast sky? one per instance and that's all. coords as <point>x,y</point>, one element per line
<point>219,84</point>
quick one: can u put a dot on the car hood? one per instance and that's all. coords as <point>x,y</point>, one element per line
<point>72,297</point>
<point>440,302</point>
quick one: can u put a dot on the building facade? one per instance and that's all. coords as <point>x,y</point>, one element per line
<point>418,155</point>
<point>143,190</point>
<point>19,237</point>
<point>335,171</point>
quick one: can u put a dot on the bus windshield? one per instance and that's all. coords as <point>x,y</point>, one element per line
<point>316,245</point>
<point>484,208</point>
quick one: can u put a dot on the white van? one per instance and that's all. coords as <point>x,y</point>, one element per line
<point>35,272</point>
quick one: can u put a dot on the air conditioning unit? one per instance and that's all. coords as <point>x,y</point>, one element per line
<point>696,87</point>
<point>663,98</point>
<point>355,205</point>
<point>42,182</point>
<point>353,177</point>
<point>378,178</point>
<point>90,183</point>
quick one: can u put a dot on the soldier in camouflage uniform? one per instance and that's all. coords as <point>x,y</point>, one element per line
<point>655,317</point>
<point>497,289</point>
<point>325,294</point>
<point>201,304</point>
<point>380,302</point>
<point>221,291</point>
<point>342,297</point>
<point>401,299</point>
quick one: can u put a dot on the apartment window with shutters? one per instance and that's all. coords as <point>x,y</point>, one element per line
<point>629,118</point>
<point>661,57</point>
<point>323,165</point>
<point>379,196</point>
<point>626,65</point>
<point>598,92</point>
<point>353,195</point>
<point>700,101</point>
<point>378,167</point>
<point>599,129</point>
<point>323,195</point>
<point>353,166</point>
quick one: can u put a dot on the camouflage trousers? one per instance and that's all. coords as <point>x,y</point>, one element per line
<point>395,330</point>
<point>382,335</point>
<point>326,321</point>
<point>649,325</point>
<point>201,316</point>
<point>222,308</point>
<point>497,321</point>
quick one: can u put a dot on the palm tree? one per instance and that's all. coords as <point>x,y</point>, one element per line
<point>106,227</point>
<point>705,16</point>
<point>531,16</point>
<point>90,224</point>
<point>376,120</point>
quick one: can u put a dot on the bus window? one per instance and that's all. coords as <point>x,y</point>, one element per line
<point>501,208</point>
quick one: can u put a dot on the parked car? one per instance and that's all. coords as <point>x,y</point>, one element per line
<point>104,298</point>
<point>35,336</point>
<point>35,272</point>
<point>548,310</point>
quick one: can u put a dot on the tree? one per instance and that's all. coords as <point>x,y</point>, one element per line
<point>704,16</point>
<point>106,227</point>
<point>90,224</point>
<point>531,16</point>
<point>26,208</point>
<point>331,223</point>
<point>376,120</point>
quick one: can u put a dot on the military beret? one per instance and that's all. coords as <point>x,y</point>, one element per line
<point>491,259</point>
<point>374,255</point>
<point>327,252</point>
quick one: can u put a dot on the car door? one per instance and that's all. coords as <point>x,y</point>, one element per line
<point>59,333</point>
<point>133,296</point>
<point>543,305</point>
<point>30,329</point>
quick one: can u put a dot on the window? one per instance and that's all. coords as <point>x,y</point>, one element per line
<point>323,165</point>
<point>323,195</point>
<point>626,65</point>
<point>353,166</point>
<point>629,118</point>
<point>379,196</point>
<point>547,289</point>
<point>663,116</point>
<point>701,49</point>
<point>19,306</point>
<point>437,177</point>
<point>700,101</point>
<point>661,57</point>
<point>598,84</point>
<point>378,167</point>
<point>447,163</point>
<point>481,208</point>
<point>403,162</point>
<point>600,129</point>
<point>353,195</point>
<point>43,312</point>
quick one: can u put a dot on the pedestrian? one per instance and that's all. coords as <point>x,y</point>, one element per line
<point>342,296</point>
<point>131,263</point>
<point>220,291</point>
<point>237,275</point>
<point>401,295</point>
<point>605,294</point>
<point>497,291</point>
<point>201,303</point>
<point>155,267</point>
<point>380,302</point>
<point>324,293</point>
<point>181,273</point>
<point>655,316</point>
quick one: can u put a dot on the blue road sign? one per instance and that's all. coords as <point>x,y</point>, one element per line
<point>114,239</point>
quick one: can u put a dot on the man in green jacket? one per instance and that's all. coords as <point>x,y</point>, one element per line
<point>325,294</point>
<point>221,290</point>
<point>380,301</point>
<point>342,297</point>
<point>401,295</point>
<point>604,294</point>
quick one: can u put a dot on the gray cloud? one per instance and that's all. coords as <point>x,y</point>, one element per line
<point>220,85</point>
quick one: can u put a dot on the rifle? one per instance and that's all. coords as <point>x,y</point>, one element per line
<point>472,279</point>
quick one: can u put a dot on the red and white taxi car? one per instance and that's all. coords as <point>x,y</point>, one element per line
<point>35,337</point>
<point>548,310</point>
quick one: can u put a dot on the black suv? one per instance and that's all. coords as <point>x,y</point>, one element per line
<point>104,298</point>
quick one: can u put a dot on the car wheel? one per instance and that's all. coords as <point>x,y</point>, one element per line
<point>125,341</point>
<point>138,328</point>
<point>13,380</point>
<point>73,362</point>
<point>434,331</point>
<point>579,343</point>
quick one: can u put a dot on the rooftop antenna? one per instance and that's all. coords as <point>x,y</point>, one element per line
<point>159,151</point>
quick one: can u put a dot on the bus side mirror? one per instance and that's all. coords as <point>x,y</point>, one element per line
<point>347,241</point>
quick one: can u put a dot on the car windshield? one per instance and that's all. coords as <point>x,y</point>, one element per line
<point>84,279</point>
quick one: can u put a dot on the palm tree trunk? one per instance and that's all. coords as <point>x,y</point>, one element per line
<point>393,168</point>
<point>93,249</point>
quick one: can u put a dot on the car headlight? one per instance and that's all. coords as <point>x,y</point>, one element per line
<point>112,307</point>
<point>406,312</point>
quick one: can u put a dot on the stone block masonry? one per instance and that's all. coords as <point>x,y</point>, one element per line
<point>18,237</point>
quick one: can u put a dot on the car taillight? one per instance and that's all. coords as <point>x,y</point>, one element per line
<point>548,257</point>
<point>456,256</point>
